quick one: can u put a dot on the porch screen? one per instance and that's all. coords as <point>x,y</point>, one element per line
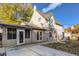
<point>11,33</point>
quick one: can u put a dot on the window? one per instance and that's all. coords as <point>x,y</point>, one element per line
<point>11,33</point>
<point>16,15</point>
<point>0,36</point>
<point>27,33</point>
<point>40,35</point>
<point>37,35</point>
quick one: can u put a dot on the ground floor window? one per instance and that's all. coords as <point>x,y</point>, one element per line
<point>27,33</point>
<point>11,33</point>
<point>39,35</point>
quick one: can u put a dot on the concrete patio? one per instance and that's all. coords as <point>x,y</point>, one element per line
<point>35,50</point>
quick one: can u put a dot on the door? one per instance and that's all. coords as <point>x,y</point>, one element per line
<point>20,37</point>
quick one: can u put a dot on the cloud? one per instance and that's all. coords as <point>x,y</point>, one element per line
<point>66,26</point>
<point>51,7</point>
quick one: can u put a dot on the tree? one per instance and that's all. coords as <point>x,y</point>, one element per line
<point>7,13</point>
<point>15,13</point>
<point>26,14</point>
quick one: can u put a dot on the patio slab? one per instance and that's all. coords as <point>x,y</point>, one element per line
<point>45,51</point>
<point>37,50</point>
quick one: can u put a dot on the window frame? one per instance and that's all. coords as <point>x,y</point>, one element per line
<point>39,35</point>
<point>10,34</point>
<point>27,33</point>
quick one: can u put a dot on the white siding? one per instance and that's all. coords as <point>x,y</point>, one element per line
<point>35,19</point>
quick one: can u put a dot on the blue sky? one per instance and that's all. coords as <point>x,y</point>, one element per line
<point>67,14</point>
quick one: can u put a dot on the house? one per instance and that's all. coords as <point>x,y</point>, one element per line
<point>12,35</point>
<point>60,32</point>
<point>36,30</point>
<point>45,21</point>
<point>40,20</point>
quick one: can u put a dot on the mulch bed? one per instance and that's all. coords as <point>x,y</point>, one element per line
<point>70,46</point>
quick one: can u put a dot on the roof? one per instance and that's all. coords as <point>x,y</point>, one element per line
<point>47,16</point>
<point>22,26</point>
<point>58,23</point>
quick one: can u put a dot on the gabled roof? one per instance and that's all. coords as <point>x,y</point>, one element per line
<point>58,23</point>
<point>47,16</point>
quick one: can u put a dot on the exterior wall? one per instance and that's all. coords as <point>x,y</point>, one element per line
<point>48,36</point>
<point>5,42</point>
<point>12,42</point>
<point>59,30</point>
<point>35,20</point>
<point>28,40</point>
<point>34,36</point>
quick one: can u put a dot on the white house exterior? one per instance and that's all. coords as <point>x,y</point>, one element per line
<point>57,30</point>
<point>60,31</point>
<point>37,19</point>
<point>40,21</point>
<point>12,35</point>
<point>37,30</point>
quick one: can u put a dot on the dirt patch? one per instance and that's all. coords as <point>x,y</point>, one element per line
<point>70,46</point>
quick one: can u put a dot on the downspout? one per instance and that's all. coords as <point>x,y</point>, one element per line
<point>31,35</point>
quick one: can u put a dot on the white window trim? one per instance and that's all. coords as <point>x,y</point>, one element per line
<point>40,36</point>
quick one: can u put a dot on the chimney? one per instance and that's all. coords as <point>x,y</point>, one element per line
<point>34,7</point>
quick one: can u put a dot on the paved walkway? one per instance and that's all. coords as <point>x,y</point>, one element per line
<point>36,50</point>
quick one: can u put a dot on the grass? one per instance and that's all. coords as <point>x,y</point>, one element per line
<point>69,46</point>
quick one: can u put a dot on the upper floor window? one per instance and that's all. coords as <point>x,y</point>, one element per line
<point>16,15</point>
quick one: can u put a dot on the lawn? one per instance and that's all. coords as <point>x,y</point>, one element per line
<point>69,46</point>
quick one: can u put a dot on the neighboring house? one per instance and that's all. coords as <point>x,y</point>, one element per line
<point>68,35</point>
<point>12,35</point>
<point>58,31</point>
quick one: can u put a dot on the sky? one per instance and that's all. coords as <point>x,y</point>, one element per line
<point>66,14</point>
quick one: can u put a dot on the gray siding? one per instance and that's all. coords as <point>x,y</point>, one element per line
<point>5,42</point>
<point>33,37</point>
